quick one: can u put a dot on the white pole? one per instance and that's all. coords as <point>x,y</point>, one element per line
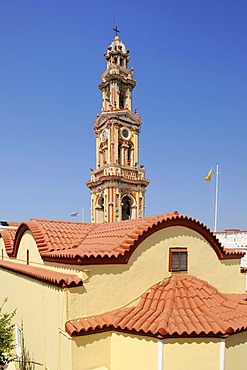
<point>216,197</point>
<point>222,353</point>
<point>160,354</point>
<point>82,215</point>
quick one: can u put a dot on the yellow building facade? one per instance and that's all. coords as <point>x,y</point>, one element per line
<point>153,293</point>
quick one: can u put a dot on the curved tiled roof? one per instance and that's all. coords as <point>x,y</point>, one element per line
<point>77,243</point>
<point>8,236</point>
<point>113,239</point>
<point>53,236</point>
<point>180,305</point>
<point>38,273</point>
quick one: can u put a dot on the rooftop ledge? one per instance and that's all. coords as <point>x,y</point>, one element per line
<point>49,276</point>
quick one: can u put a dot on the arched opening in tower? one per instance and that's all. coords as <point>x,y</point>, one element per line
<point>121,101</point>
<point>126,207</point>
<point>120,153</point>
<point>129,155</point>
<point>100,210</point>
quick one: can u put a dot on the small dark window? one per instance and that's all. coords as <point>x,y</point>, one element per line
<point>126,208</point>
<point>119,153</point>
<point>178,259</point>
<point>129,156</point>
<point>121,101</point>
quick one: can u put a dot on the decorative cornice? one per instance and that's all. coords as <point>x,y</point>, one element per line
<point>118,117</point>
<point>114,181</point>
<point>110,78</point>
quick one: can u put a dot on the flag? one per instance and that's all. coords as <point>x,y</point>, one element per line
<point>208,177</point>
<point>73,214</point>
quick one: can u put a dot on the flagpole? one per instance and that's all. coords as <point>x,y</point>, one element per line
<point>82,215</point>
<point>216,197</point>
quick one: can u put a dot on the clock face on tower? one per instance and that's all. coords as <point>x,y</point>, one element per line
<point>125,133</point>
<point>104,135</point>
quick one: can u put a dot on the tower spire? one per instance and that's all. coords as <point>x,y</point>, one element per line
<point>118,183</point>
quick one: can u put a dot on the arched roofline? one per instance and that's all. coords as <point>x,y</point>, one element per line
<point>37,233</point>
<point>176,220</point>
<point>197,226</point>
<point>189,223</point>
<point>8,241</point>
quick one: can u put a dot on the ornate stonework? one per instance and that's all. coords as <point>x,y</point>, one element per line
<point>118,184</point>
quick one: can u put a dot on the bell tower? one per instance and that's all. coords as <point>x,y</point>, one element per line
<point>118,183</point>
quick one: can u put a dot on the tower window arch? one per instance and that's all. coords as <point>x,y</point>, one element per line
<point>121,100</point>
<point>128,207</point>
<point>99,208</point>
<point>129,154</point>
<point>120,154</point>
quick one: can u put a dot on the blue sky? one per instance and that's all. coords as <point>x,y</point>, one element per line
<point>190,62</point>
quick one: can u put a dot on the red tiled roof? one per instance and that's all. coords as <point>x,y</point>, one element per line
<point>38,273</point>
<point>179,305</point>
<point>54,235</point>
<point>114,239</point>
<point>58,235</point>
<point>8,236</point>
<point>77,243</point>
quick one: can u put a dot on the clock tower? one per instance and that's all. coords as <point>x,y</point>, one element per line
<point>118,183</point>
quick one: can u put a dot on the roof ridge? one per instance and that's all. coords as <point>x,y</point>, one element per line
<point>94,226</point>
<point>60,221</point>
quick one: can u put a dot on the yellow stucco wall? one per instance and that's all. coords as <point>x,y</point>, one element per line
<point>41,309</point>
<point>119,351</point>
<point>133,352</point>
<point>192,354</point>
<point>28,243</point>
<point>114,351</point>
<point>236,352</point>
<point>149,265</point>
<point>91,351</point>
<point>65,350</point>
<point>2,248</point>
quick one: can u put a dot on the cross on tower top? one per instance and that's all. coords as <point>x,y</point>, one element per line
<point>116,30</point>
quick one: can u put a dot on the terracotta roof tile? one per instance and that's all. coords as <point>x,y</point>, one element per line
<point>115,239</point>
<point>192,307</point>
<point>49,276</point>
<point>75,242</point>
<point>54,236</point>
<point>8,236</point>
